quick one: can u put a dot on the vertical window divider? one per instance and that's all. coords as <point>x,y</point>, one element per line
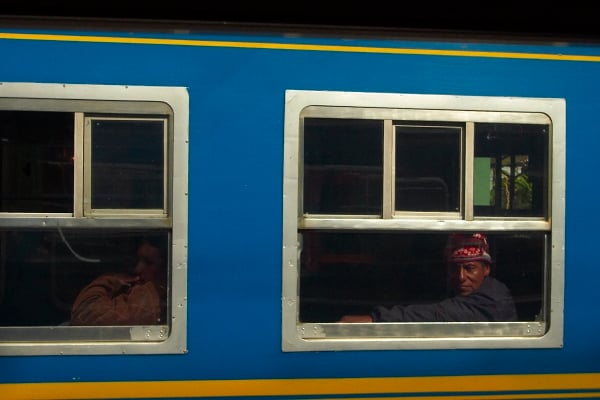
<point>167,170</point>
<point>389,170</point>
<point>78,159</point>
<point>469,160</point>
<point>87,168</point>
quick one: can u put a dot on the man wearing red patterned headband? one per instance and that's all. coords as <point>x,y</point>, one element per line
<point>468,262</point>
<point>476,296</point>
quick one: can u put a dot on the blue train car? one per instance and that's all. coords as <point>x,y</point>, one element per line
<point>253,214</point>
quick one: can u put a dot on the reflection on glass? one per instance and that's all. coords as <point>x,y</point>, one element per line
<point>127,164</point>
<point>44,273</point>
<point>36,161</point>
<point>427,168</point>
<point>343,166</point>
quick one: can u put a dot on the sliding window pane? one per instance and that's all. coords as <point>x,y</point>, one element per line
<point>83,277</point>
<point>511,170</point>
<point>36,162</point>
<point>128,164</point>
<point>354,273</point>
<point>428,168</point>
<point>343,166</point>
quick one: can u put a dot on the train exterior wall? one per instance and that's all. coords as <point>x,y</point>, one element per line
<point>236,85</point>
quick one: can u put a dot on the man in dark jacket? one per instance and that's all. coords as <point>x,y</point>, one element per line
<point>476,295</point>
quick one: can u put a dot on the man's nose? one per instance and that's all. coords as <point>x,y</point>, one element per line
<point>461,274</point>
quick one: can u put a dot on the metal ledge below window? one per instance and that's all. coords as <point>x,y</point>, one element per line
<point>421,330</point>
<point>150,333</point>
<point>413,336</point>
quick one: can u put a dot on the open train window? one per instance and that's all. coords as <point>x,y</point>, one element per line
<point>376,189</point>
<point>93,216</point>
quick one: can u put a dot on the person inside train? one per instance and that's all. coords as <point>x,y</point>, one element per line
<point>127,299</point>
<point>475,295</point>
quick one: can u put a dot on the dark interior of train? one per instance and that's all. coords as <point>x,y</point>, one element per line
<point>350,273</point>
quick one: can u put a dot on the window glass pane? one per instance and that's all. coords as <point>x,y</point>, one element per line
<point>511,170</point>
<point>115,278</point>
<point>356,273</point>
<point>343,166</point>
<point>127,164</point>
<point>427,168</point>
<point>36,161</point>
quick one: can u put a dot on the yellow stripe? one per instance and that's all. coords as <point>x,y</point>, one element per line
<point>578,395</point>
<point>439,387</point>
<point>304,47</point>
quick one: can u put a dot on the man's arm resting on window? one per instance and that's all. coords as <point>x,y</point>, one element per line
<point>356,318</point>
<point>111,300</point>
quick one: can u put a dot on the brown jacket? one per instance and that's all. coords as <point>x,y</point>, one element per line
<point>108,301</point>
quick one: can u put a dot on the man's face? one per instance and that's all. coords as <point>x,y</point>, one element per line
<point>466,277</point>
<point>149,262</point>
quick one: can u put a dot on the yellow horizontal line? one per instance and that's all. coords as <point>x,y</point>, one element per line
<point>571,395</point>
<point>519,396</point>
<point>303,47</point>
<point>438,387</point>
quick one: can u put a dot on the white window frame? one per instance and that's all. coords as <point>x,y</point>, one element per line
<point>170,104</point>
<point>299,336</point>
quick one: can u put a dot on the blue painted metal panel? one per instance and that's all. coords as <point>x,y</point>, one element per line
<point>235,194</point>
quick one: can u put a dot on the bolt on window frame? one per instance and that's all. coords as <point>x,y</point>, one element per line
<point>392,109</point>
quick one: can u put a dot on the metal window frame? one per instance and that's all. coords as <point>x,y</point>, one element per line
<point>115,101</point>
<point>298,336</point>
<point>429,214</point>
<point>88,210</point>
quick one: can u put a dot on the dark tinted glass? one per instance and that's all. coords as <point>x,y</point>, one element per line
<point>36,161</point>
<point>343,166</point>
<point>42,272</point>
<point>127,164</point>
<point>428,168</point>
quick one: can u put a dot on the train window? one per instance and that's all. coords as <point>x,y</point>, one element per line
<point>45,272</point>
<point>510,170</point>
<point>94,218</point>
<point>403,212</point>
<point>427,167</point>
<point>37,174</point>
<point>127,164</point>
<point>344,158</point>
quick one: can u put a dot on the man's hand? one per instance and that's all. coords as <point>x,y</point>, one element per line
<point>125,279</point>
<point>115,284</point>
<point>356,318</point>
